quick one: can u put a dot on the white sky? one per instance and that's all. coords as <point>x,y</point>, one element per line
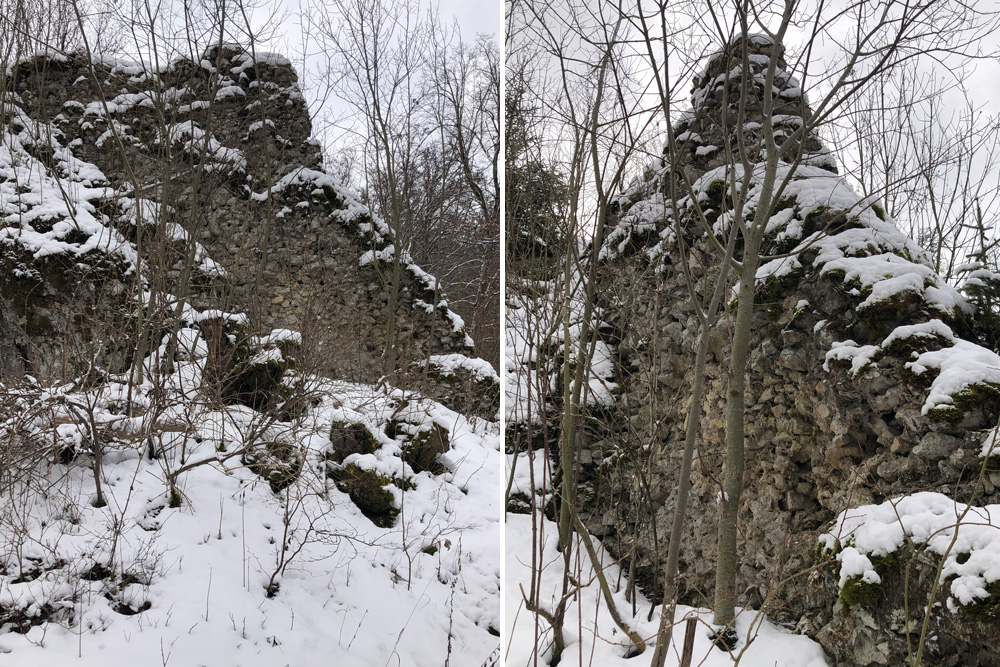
<point>476,16</point>
<point>983,85</point>
<point>472,17</point>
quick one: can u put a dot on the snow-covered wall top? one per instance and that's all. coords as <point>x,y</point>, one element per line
<point>819,226</point>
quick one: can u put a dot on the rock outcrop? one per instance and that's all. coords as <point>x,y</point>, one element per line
<point>193,316</point>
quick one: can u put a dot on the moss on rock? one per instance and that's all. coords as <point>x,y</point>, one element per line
<point>367,491</point>
<point>424,447</point>
<point>905,347</point>
<point>987,609</point>
<point>278,462</point>
<point>834,275</point>
<point>887,313</point>
<point>976,396</point>
<point>878,211</point>
<point>332,198</point>
<point>250,375</point>
<point>774,288</point>
<point>253,384</point>
<point>717,191</point>
<point>421,443</point>
<point>350,438</point>
<point>858,591</point>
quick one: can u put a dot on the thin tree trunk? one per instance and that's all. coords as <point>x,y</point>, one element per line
<point>726,567</point>
<point>669,607</point>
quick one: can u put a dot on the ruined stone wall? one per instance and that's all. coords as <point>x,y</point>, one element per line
<point>221,150</point>
<point>818,440</point>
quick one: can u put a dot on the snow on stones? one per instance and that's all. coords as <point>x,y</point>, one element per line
<point>966,536</point>
<point>957,366</point>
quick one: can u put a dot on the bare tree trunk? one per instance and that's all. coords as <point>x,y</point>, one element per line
<point>672,573</point>
<point>726,566</point>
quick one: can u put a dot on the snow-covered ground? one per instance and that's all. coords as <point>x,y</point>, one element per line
<point>591,635</point>
<point>425,591</point>
<point>535,336</point>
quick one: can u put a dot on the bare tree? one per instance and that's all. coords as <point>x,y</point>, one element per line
<point>468,80</point>
<point>767,137</point>
<point>929,156</point>
<point>596,101</point>
<point>375,55</point>
<point>422,119</point>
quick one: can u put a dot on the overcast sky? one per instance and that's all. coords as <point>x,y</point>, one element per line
<point>472,16</point>
<point>475,16</point>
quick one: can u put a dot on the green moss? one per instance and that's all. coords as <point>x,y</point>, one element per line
<point>278,463</point>
<point>973,396</point>
<point>774,288</point>
<point>834,275</point>
<point>841,364</point>
<point>366,489</point>
<point>987,609</point>
<point>919,381</point>
<point>421,444</point>
<point>889,311</point>
<point>808,256</point>
<point>704,156</point>
<point>717,191</point>
<point>857,591</point>
<point>905,347</point>
<point>879,212</point>
<point>851,223</point>
<point>256,384</point>
<point>430,549</point>
<point>294,403</point>
<point>812,219</point>
<point>821,554</point>
<point>420,439</point>
<point>945,413</point>
<point>350,438</point>
<point>414,451</point>
<point>786,202</point>
<point>977,394</point>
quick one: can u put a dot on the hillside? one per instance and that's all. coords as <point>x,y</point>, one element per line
<point>197,464</point>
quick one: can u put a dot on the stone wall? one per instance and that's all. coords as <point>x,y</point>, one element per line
<point>221,150</point>
<point>818,440</point>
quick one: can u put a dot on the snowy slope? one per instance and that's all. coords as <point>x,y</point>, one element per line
<point>591,635</point>
<point>350,592</point>
<point>224,569</point>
